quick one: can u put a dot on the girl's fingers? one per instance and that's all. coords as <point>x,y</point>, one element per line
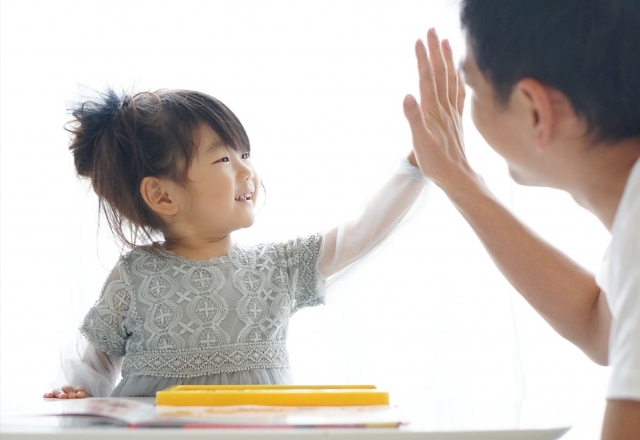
<point>80,392</point>
<point>439,67</point>
<point>428,94</point>
<point>452,75</point>
<point>67,392</point>
<point>71,393</point>
<point>59,394</point>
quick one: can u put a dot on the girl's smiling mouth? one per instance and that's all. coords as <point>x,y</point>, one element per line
<point>243,197</point>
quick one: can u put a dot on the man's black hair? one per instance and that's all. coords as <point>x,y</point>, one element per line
<point>587,49</point>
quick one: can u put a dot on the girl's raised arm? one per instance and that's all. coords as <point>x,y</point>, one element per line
<point>344,245</point>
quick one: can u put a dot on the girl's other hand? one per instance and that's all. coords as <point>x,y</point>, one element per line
<point>67,392</point>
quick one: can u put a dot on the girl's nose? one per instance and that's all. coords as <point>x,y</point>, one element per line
<point>245,171</point>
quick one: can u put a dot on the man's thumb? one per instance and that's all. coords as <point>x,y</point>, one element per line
<point>412,110</point>
<point>413,113</point>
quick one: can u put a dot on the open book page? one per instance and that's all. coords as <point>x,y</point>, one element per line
<point>139,414</point>
<point>121,410</point>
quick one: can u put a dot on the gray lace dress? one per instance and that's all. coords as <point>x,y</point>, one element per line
<point>222,321</point>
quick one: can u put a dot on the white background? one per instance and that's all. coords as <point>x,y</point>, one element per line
<point>319,87</point>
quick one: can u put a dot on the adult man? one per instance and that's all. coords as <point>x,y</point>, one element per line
<point>556,91</point>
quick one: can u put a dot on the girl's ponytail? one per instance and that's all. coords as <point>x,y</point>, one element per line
<point>91,120</point>
<point>106,150</point>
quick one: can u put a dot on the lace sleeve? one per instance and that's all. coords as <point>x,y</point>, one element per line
<point>348,243</point>
<point>300,260</point>
<point>103,325</point>
<point>83,364</point>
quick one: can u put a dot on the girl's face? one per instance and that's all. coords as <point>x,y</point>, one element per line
<point>222,188</point>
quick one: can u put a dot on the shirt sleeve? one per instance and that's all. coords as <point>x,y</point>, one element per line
<point>624,343</point>
<point>300,261</point>
<point>103,326</point>
<point>348,245</point>
<point>83,364</point>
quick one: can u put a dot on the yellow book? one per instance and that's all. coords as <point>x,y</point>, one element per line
<point>272,395</point>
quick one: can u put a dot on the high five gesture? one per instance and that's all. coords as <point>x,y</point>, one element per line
<point>436,123</point>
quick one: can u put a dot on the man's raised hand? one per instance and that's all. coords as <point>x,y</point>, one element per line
<point>436,123</point>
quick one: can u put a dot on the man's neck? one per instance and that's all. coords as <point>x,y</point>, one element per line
<point>599,176</point>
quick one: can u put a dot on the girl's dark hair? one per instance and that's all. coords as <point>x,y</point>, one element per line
<point>117,140</point>
<point>587,49</point>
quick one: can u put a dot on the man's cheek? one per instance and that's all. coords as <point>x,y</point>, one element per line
<point>479,118</point>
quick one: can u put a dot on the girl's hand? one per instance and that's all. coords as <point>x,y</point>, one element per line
<point>67,392</point>
<point>436,124</point>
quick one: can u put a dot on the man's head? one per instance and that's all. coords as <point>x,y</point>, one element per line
<point>577,58</point>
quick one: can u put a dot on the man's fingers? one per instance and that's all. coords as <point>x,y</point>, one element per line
<point>439,67</point>
<point>428,94</point>
<point>452,75</point>
<point>414,115</point>
<point>412,110</point>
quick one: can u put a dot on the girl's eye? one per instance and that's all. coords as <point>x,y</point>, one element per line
<point>246,155</point>
<point>224,159</point>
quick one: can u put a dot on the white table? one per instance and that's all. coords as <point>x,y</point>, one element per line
<point>435,421</point>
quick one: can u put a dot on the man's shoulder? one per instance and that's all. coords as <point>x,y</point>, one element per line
<point>626,227</point>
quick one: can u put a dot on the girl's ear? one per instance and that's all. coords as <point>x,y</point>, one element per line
<point>159,195</point>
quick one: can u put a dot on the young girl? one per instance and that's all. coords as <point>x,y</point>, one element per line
<point>197,308</point>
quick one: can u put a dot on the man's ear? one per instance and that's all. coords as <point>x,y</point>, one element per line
<point>536,99</point>
<point>551,112</point>
<point>159,194</point>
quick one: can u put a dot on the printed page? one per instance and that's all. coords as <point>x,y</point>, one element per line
<point>139,414</point>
